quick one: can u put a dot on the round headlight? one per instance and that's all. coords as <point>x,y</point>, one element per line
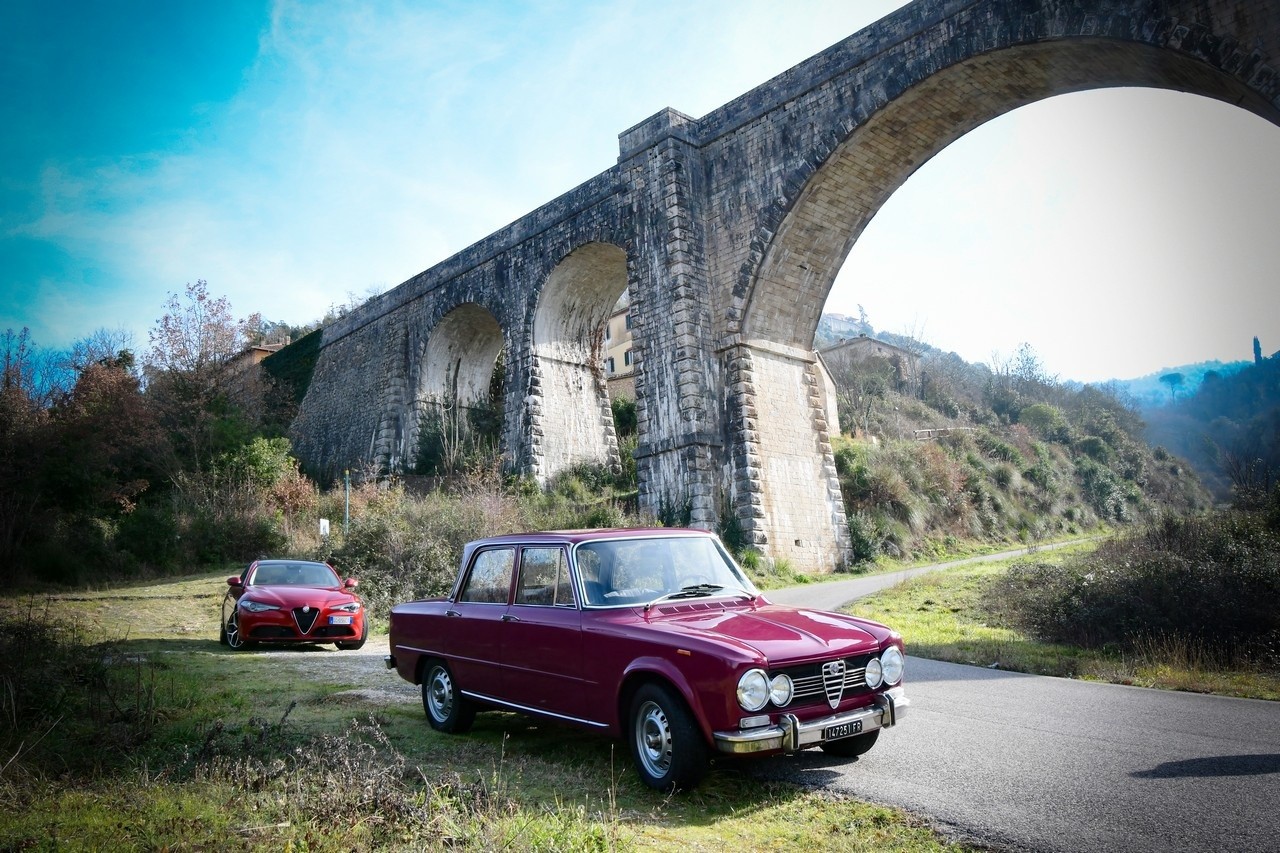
<point>753,689</point>
<point>875,673</point>
<point>780,690</point>
<point>892,662</point>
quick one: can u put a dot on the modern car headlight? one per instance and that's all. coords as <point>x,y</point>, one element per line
<point>780,690</point>
<point>892,662</point>
<point>753,689</point>
<point>256,606</point>
<point>349,607</point>
<point>875,673</point>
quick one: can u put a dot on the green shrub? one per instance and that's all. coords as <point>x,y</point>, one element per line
<point>997,448</point>
<point>1095,448</point>
<point>1211,583</point>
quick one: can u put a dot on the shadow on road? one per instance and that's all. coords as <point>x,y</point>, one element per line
<point>1218,765</point>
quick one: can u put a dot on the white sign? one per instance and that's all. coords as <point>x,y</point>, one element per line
<point>324,527</point>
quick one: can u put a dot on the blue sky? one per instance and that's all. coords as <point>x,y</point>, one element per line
<point>299,154</point>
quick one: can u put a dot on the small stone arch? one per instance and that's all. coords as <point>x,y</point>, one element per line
<point>456,377</point>
<point>569,417</point>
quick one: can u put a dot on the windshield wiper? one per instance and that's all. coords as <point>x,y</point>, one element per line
<point>698,590</point>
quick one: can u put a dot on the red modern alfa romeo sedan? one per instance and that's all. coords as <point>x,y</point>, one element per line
<point>292,601</point>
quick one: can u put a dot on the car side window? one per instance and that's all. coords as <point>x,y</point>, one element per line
<point>490,577</point>
<point>544,578</point>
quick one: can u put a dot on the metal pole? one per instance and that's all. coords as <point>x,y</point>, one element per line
<point>346,508</point>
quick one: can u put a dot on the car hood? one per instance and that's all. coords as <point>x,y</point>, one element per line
<point>297,596</point>
<point>782,634</point>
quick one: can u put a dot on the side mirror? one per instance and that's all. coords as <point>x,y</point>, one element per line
<point>235,581</point>
<point>351,583</point>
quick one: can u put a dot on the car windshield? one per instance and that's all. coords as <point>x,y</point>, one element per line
<point>640,571</point>
<point>294,574</point>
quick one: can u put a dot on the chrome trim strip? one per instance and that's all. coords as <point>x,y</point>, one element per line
<point>790,734</point>
<point>536,711</point>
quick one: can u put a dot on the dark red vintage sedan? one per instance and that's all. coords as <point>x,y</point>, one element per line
<point>655,636</point>
<point>292,601</point>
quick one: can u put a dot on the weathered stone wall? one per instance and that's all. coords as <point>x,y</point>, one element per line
<point>729,231</point>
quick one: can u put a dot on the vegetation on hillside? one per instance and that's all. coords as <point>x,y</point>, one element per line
<point>1229,430</point>
<point>1004,454</point>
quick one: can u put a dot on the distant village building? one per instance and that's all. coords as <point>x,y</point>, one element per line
<point>619,369</point>
<point>848,353</point>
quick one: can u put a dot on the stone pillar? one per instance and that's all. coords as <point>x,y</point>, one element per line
<point>786,493</point>
<point>675,372</point>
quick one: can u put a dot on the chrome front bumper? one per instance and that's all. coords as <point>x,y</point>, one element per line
<point>790,735</point>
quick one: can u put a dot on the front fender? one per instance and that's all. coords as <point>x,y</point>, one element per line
<point>650,668</point>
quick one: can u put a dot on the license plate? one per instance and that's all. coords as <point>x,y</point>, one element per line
<point>339,620</point>
<point>842,730</point>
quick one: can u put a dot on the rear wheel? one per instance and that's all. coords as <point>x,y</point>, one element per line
<point>668,749</point>
<point>851,747</point>
<point>447,710</point>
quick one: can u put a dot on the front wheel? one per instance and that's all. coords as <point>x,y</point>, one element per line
<point>231,632</point>
<point>851,747</point>
<point>447,710</point>
<point>352,645</point>
<point>668,749</point>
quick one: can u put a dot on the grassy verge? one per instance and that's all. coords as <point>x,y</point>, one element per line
<point>941,616</point>
<point>161,738</point>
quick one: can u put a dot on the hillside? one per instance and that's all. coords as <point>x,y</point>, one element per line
<point>967,453</point>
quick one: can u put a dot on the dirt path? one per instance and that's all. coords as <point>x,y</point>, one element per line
<point>364,667</point>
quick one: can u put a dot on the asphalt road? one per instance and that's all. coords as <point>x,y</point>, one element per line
<point>1021,762</point>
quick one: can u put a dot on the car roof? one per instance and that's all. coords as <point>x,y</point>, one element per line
<point>574,537</point>
<point>285,561</point>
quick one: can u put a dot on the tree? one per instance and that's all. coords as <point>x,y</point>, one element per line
<point>187,376</point>
<point>1174,381</point>
<point>1257,350</point>
<point>107,447</point>
<point>21,451</point>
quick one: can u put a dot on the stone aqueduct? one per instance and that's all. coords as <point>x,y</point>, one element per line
<point>728,231</point>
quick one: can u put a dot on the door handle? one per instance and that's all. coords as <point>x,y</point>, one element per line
<point>507,617</point>
<point>452,613</point>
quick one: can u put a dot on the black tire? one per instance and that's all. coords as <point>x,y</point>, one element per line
<point>851,747</point>
<point>350,646</point>
<point>447,710</point>
<point>666,745</point>
<point>231,633</point>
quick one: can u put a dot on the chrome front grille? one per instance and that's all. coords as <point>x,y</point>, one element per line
<point>820,682</point>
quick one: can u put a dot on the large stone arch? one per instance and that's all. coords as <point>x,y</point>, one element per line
<point>892,125</point>
<point>571,421</point>
<point>782,300</point>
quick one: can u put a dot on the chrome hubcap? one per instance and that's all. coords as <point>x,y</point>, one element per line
<point>440,696</point>
<point>653,739</point>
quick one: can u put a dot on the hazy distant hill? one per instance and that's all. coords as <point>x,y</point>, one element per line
<point>1149,392</point>
<point>1229,430</point>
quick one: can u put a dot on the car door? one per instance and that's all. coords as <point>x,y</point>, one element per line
<point>542,637</point>
<point>473,622</point>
